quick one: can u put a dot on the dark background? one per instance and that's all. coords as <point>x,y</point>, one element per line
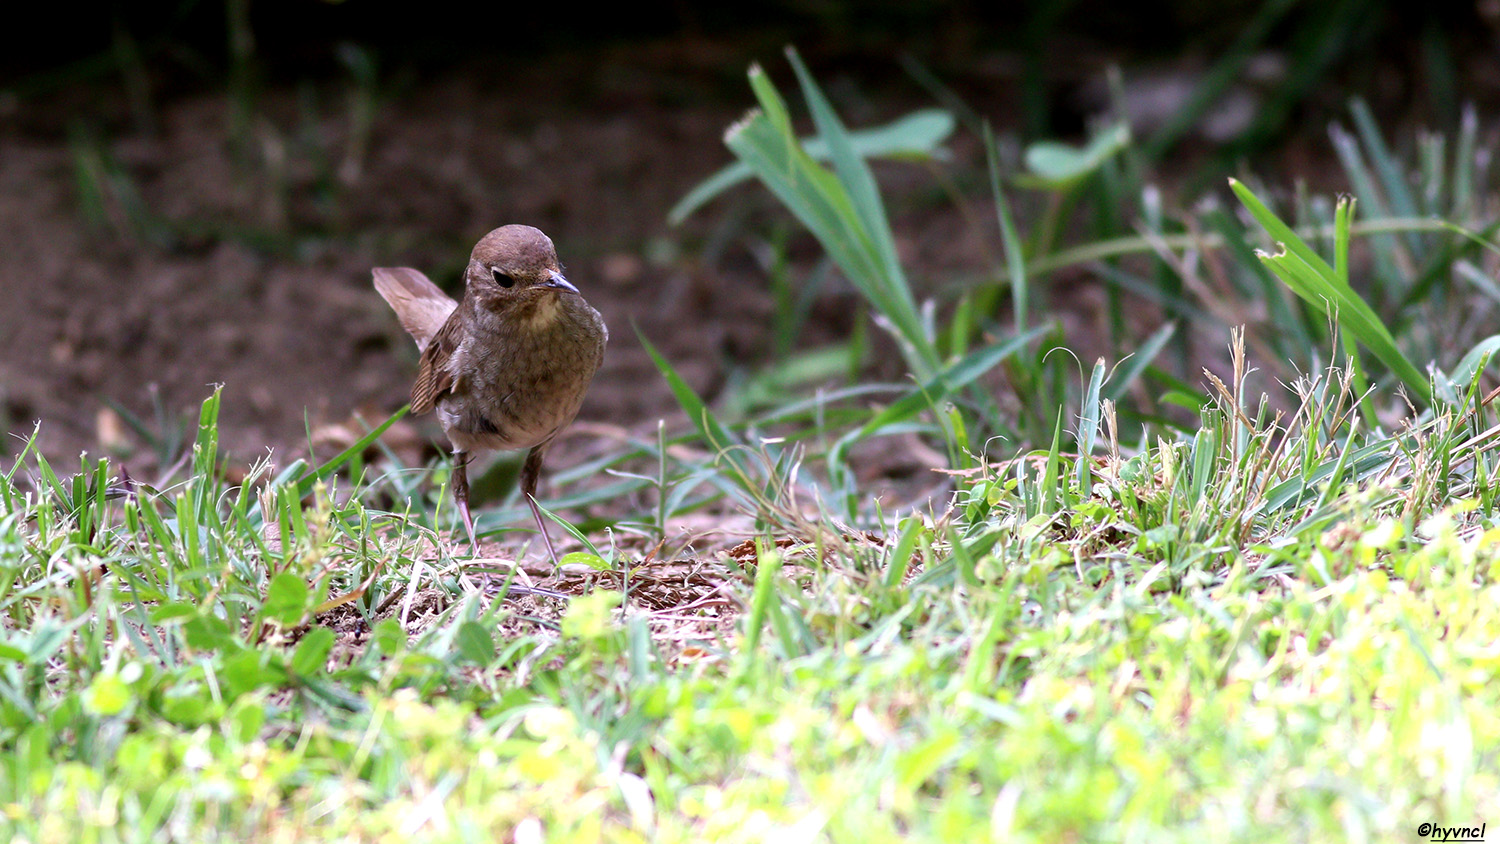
<point>1408,54</point>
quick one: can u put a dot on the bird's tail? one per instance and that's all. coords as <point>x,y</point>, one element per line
<point>418,303</point>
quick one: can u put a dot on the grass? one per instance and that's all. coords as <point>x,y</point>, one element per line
<point>1139,607</point>
<point>1278,632</point>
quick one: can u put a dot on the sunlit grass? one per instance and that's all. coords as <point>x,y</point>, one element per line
<point>1188,649</point>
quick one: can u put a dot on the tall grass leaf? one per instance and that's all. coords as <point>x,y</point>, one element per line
<point>1485,238</point>
<point>1358,465</point>
<point>1474,361</point>
<point>965,319</point>
<point>1051,481</point>
<point>812,194</point>
<point>763,597</point>
<point>854,174</point>
<point>1311,277</point>
<point>697,411</point>
<point>1392,179</point>
<point>917,136</point>
<point>298,474</point>
<point>1463,163</point>
<point>1279,231</point>
<point>953,377</point>
<point>1384,244</point>
<point>1432,154</point>
<point>1359,321</point>
<point>1333,479</point>
<point>1088,427</point>
<point>901,553</point>
<point>1015,253</point>
<point>1343,216</point>
<point>206,448</point>
<point>578,535</point>
<point>842,211</point>
<point>1056,165</point>
<point>771,102</point>
<point>20,460</point>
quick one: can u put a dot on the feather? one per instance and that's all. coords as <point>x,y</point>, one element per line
<point>434,377</point>
<point>422,308</point>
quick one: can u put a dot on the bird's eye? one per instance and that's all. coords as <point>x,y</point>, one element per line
<point>502,279</point>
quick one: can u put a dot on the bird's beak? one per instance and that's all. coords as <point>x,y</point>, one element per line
<point>558,282</point>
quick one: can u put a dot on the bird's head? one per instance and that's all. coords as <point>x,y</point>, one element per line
<point>513,265</point>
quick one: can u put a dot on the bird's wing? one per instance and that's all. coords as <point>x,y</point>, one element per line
<point>433,377</point>
<point>422,308</point>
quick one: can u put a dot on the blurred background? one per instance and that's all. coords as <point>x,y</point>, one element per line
<point>194,193</point>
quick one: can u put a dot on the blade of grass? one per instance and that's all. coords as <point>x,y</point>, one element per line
<point>916,136</point>
<point>1312,278</point>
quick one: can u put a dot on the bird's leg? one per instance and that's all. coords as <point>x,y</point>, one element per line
<point>530,471</point>
<point>461,496</point>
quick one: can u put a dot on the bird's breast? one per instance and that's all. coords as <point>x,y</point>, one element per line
<point>518,381</point>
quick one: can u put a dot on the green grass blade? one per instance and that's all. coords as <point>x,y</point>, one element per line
<point>1088,427</point>
<point>697,411</point>
<point>1312,278</point>
<point>917,136</point>
<point>305,480</point>
<point>954,377</point>
<point>1392,180</point>
<point>842,211</point>
<point>854,174</point>
<point>1015,253</point>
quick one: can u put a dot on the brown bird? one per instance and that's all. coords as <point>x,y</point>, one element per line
<point>506,367</point>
